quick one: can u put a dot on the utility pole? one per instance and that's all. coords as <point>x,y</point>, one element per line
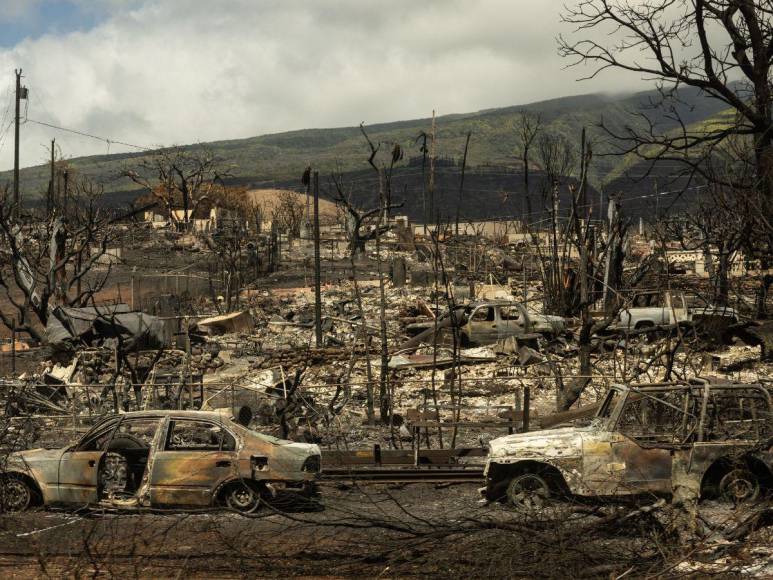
<point>307,181</point>
<point>432,171</point>
<point>601,203</point>
<point>424,182</point>
<point>317,273</point>
<point>612,217</point>
<point>21,93</point>
<point>50,202</point>
<point>66,176</point>
<point>461,181</point>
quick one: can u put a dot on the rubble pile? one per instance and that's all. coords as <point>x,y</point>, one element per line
<point>275,332</point>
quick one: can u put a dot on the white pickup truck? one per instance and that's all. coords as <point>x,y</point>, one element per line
<point>637,318</point>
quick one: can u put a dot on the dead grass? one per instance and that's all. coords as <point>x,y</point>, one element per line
<point>269,198</point>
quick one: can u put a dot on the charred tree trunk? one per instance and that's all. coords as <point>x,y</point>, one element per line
<point>722,284</point>
<point>762,295</point>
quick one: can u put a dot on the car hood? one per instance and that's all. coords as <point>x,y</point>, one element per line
<point>564,442</point>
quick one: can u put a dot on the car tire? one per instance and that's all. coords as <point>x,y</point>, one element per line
<point>528,492</point>
<point>16,494</point>
<point>651,335</point>
<point>739,486</point>
<point>242,497</point>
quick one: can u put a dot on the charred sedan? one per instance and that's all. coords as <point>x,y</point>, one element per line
<point>161,459</point>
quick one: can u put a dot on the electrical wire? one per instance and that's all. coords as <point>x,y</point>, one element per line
<point>5,116</point>
<point>410,171</point>
<point>84,134</point>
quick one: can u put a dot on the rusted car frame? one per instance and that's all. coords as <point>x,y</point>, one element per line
<point>630,447</point>
<point>160,459</point>
<point>486,322</point>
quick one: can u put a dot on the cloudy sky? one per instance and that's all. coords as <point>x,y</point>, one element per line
<point>163,72</point>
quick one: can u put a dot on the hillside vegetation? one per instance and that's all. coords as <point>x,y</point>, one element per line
<point>280,158</point>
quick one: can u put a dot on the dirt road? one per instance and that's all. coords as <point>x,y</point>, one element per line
<point>369,531</point>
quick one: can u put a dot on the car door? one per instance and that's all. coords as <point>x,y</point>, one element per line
<point>79,466</point>
<point>131,443</point>
<point>637,455</point>
<point>647,469</point>
<point>614,464</point>
<point>194,457</point>
<point>482,327</point>
<point>511,321</point>
<point>601,474</point>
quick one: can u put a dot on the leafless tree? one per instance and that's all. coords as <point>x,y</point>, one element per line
<point>256,215</point>
<point>362,226</point>
<point>385,197</point>
<point>556,158</point>
<point>45,262</point>
<point>573,261</point>
<point>527,128</point>
<point>287,215</point>
<point>705,44</point>
<point>723,48</point>
<point>582,236</point>
<point>180,178</point>
<point>718,228</point>
<point>229,246</point>
<point>735,204</point>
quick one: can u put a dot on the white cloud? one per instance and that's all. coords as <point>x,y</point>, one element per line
<point>180,71</point>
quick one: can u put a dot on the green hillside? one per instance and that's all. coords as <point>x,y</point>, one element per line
<point>282,157</point>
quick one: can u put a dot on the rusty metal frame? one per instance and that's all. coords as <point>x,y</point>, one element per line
<point>704,386</point>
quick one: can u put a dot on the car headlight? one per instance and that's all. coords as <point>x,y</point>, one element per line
<point>313,464</point>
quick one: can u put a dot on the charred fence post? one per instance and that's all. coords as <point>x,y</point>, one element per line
<point>516,411</point>
<point>526,408</point>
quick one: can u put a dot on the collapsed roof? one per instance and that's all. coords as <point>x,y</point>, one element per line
<point>93,323</point>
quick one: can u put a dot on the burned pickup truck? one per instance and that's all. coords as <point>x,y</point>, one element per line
<point>629,448</point>
<point>160,459</point>
<point>487,322</point>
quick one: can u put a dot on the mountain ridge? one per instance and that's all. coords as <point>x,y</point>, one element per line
<point>281,157</point>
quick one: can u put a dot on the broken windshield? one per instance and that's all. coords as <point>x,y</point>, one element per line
<point>663,416</point>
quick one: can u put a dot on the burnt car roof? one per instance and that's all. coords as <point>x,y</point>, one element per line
<point>172,412</point>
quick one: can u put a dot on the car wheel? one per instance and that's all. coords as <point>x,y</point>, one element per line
<point>739,486</point>
<point>16,494</point>
<point>528,492</point>
<point>242,498</point>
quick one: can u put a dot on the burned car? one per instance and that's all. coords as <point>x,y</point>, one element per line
<point>160,459</point>
<point>486,322</point>
<point>630,447</point>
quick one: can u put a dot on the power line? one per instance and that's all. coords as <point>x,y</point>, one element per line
<point>84,134</point>
<point>4,133</point>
